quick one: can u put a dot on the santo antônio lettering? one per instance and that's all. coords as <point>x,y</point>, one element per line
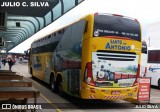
<point>116,41</point>
<point>117,45</point>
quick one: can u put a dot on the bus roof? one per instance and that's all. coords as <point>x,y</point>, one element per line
<point>153,48</point>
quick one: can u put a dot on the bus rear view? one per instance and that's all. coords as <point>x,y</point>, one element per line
<point>112,60</point>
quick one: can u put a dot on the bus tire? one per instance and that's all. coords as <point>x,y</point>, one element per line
<point>31,72</point>
<point>159,83</point>
<point>60,89</point>
<point>60,86</point>
<point>52,83</point>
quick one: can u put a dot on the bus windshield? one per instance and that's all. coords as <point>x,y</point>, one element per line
<point>110,25</point>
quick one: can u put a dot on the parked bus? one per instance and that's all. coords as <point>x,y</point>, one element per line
<point>96,57</point>
<point>153,64</point>
<point>150,64</point>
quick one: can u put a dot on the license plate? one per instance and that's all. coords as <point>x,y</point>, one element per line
<point>115,92</point>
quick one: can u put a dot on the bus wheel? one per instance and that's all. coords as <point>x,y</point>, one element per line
<point>52,84</point>
<point>31,72</point>
<point>159,83</point>
<point>60,89</point>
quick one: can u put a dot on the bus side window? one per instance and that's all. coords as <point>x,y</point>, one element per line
<point>158,56</point>
<point>152,56</point>
<point>54,34</point>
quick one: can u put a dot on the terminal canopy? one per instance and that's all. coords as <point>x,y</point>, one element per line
<point>20,19</point>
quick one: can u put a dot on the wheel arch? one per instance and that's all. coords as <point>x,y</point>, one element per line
<point>59,77</point>
<point>52,74</point>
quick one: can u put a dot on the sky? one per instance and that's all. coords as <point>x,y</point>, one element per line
<point>145,11</point>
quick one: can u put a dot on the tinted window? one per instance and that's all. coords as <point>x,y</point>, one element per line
<point>107,25</point>
<point>154,56</point>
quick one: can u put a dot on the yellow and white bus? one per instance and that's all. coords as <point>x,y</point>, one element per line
<point>96,57</point>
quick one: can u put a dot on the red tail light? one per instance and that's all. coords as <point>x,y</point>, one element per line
<point>138,74</point>
<point>88,77</point>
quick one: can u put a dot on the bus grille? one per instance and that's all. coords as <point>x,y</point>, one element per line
<point>116,55</point>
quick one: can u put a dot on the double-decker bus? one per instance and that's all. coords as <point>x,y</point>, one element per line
<point>96,57</point>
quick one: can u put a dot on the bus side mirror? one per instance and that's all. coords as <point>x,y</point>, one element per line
<point>144,47</point>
